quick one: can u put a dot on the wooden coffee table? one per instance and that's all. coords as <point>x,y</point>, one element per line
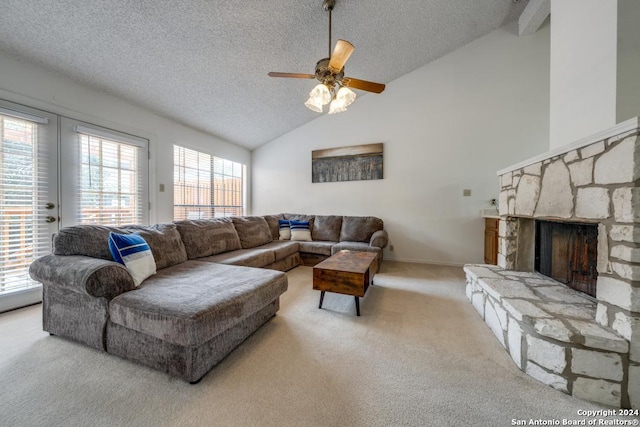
<point>346,272</point>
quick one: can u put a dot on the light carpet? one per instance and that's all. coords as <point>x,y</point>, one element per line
<point>419,355</point>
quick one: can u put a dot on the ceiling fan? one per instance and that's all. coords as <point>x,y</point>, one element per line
<point>334,86</point>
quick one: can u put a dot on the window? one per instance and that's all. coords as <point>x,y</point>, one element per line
<point>109,182</point>
<point>25,234</point>
<point>104,176</point>
<point>206,186</point>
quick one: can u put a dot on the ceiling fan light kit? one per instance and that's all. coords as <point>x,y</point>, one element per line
<point>334,86</point>
<point>322,95</point>
<point>319,96</point>
<point>343,99</point>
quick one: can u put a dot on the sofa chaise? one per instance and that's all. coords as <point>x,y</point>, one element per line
<point>217,281</point>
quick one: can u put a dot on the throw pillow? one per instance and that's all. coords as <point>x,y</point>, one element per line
<point>300,231</point>
<point>285,230</point>
<point>252,231</point>
<point>134,253</point>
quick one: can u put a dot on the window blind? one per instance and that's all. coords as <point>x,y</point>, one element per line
<point>206,186</point>
<point>22,115</point>
<point>24,235</point>
<point>111,187</point>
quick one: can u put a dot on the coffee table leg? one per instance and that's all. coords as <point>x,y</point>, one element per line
<point>321,298</point>
<point>357,306</point>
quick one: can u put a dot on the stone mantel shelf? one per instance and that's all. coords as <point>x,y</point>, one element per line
<point>625,127</point>
<point>490,213</point>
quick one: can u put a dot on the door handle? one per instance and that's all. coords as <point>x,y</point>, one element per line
<point>49,205</point>
<point>50,219</point>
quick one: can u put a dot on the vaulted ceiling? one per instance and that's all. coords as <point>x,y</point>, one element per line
<point>204,63</point>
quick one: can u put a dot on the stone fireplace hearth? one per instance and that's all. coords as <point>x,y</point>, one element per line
<point>588,349</point>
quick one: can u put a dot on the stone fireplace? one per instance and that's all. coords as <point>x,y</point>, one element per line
<point>586,347</point>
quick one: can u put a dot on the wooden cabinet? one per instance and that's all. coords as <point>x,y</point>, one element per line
<point>491,240</point>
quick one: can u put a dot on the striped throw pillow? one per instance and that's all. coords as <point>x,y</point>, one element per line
<point>285,230</point>
<point>300,231</point>
<point>134,253</point>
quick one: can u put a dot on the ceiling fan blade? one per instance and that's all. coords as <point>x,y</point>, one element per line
<point>363,85</point>
<point>340,55</point>
<point>292,75</point>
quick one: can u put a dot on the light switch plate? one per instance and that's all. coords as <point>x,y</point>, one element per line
<point>466,193</point>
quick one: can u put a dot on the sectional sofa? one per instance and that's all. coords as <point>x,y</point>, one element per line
<point>217,281</point>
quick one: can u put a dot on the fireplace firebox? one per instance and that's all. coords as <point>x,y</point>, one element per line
<point>568,253</point>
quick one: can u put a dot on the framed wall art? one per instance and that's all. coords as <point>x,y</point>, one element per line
<point>354,163</point>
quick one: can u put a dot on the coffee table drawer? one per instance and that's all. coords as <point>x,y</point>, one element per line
<point>341,282</point>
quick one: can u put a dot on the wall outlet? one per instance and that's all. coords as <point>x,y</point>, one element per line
<point>391,248</point>
<point>466,193</point>
<point>161,188</point>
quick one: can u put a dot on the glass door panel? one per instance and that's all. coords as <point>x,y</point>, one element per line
<point>28,198</point>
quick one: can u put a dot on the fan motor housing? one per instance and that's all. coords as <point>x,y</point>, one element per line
<point>324,73</point>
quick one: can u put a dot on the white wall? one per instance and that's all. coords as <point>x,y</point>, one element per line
<point>447,126</point>
<point>33,86</point>
<point>583,69</point>
<point>628,83</point>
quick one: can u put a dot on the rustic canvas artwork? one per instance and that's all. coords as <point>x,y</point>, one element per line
<point>355,163</point>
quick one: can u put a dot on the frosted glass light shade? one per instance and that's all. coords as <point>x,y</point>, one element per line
<point>336,106</point>
<point>346,96</point>
<point>318,97</point>
<point>313,105</point>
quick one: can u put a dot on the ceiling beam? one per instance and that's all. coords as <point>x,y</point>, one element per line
<point>533,16</point>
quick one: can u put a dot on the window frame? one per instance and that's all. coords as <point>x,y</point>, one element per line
<point>206,189</point>
<point>71,164</point>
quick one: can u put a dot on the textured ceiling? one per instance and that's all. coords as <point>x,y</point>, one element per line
<point>204,63</point>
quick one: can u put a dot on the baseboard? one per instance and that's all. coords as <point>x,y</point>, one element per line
<point>22,298</point>
<point>426,261</point>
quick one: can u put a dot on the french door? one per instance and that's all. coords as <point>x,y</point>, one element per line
<point>57,172</point>
<point>28,198</point>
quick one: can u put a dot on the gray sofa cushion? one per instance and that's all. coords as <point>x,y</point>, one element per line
<point>281,248</point>
<point>354,246</point>
<point>254,257</point>
<point>272,220</point>
<point>252,230</point>
<point>359,228</point>
<point>93,240</point>
<point>88,240</point>
<point>190,303</point>
<point>164,241</point>
<point>206,237</point>
<point>318,248</point>
<point>327,228</point>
